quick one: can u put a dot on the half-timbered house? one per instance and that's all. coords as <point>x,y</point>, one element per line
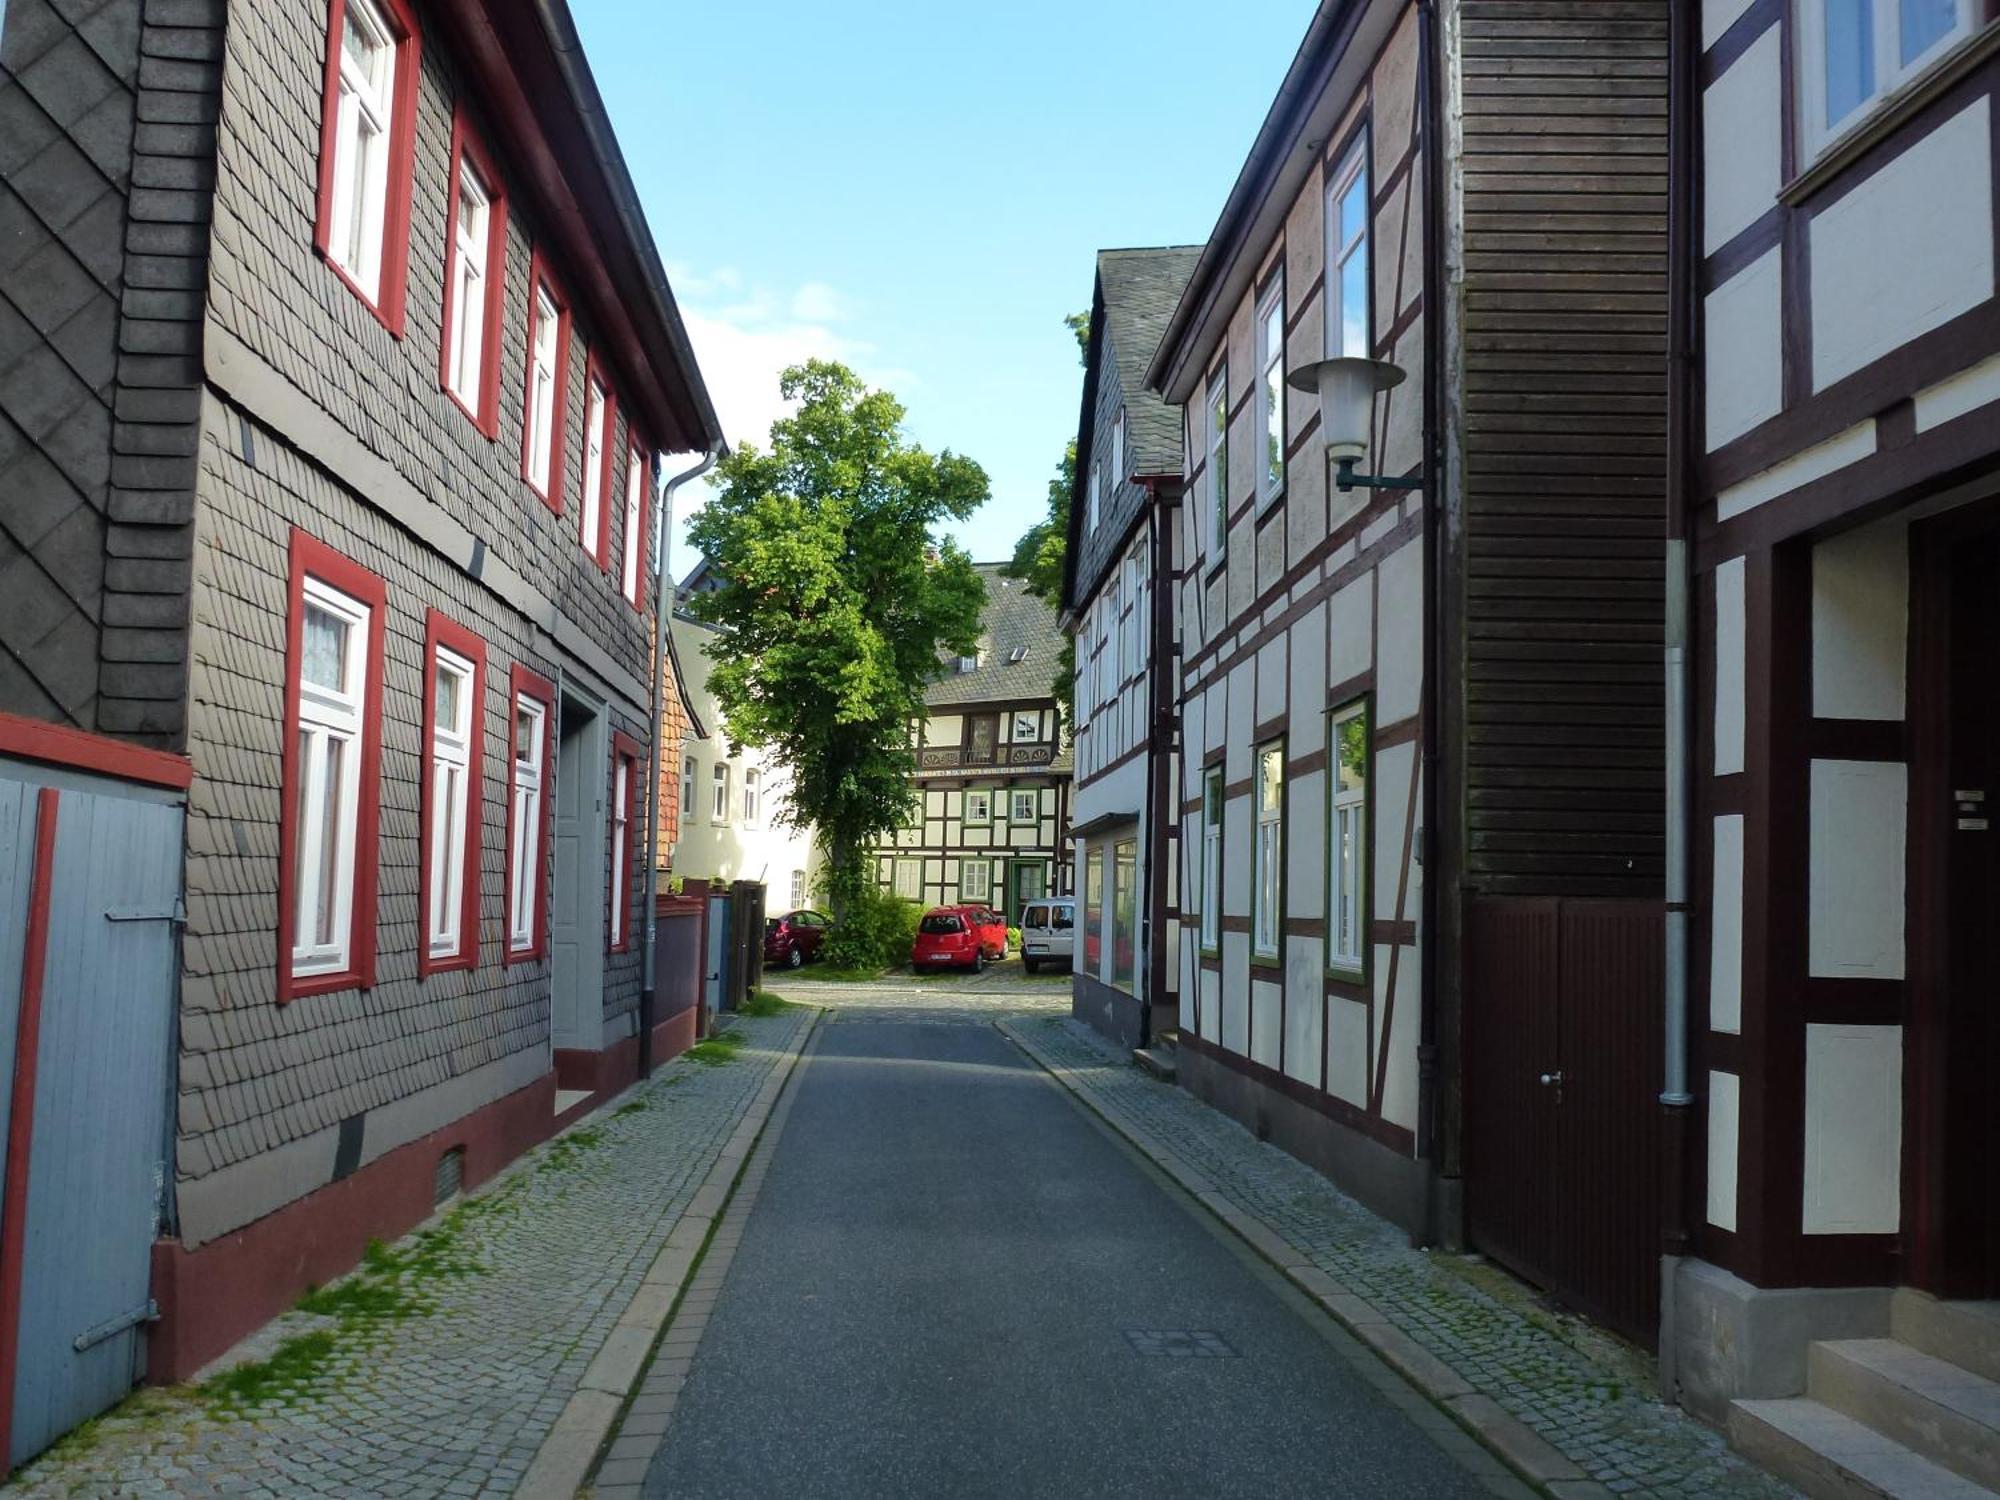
<point>991,804</point>
<point>332,413</point>
<point>1840,470</point>
<point>1422,751</point>
<point>1118,598</point>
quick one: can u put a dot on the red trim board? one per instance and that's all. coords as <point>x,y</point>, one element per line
<point>60,745</point>
<point>465,142</point>
<point>627,749</point>
<point>313,557</point>
<point>441,630</point>
<point>524,682</point>
<point>542,279</point>
<point>599,546</point>
<point>21,1112</point>
<point>389,303</point>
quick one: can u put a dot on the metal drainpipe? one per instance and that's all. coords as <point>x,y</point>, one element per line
<point>663,611</point>
<point>1676,1101</point>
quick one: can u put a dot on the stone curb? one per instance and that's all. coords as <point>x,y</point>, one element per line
<point>564,1459</point>
<point>1507,1437</point>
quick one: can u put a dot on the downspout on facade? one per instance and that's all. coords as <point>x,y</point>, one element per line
<point>1676,1100</point>
<point>663,612</point>
<point>1161,815</point>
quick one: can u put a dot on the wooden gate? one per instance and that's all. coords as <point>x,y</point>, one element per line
<point>1562,1047</point>
<point>90,882</point>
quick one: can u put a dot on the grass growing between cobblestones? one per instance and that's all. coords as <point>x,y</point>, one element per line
<point>718,1049</point>
<point>764,1003</point>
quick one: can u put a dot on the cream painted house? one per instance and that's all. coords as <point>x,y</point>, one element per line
<point>732,806</point>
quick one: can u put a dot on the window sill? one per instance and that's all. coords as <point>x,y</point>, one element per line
<point>1894,112</point>
<point>301,986</point>
<point>429,966</point>
<point>530,955</point>
<point>1346,975</point>
<point>490,433</point>
<point>373,304</point>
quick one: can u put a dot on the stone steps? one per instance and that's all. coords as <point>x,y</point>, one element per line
<point>1162,1059</point>
<point>1889,1417</point>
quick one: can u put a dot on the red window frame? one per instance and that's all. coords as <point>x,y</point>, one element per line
<point>640,455</point>
<point>524,682</point>
<point>627,749</point>
<point>542,279</point>
<point>441,630</point>
<point>391,301</point>
<point>310,556</point>
<point>465,143</point>
<point>607,495</point>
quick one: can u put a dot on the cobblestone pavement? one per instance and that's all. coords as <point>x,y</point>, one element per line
<point>1004,990</point>
<point>1622,1436</point>
<point>439,1368</point>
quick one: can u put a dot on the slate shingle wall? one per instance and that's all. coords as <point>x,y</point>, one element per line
<point>1101,548</point>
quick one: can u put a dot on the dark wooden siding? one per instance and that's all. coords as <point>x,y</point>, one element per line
<point>1565,320</point>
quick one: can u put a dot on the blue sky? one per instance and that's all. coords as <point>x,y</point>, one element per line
<point>918,187</point>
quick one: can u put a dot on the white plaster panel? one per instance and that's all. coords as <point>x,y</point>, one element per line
<point>1194,732</point>
<point>1266,1021</point>
<point>1855,885</point>
<point>1397,1028</point>
<point>1215,715</point>
<point>1801,469</point>
<point>1389,807</point>
<point>1350,630</point>
<point>1210,983</point>
<point>1909,248</point>
<point>1861,612</point>
<point>1717,16</point>
<point>1964,392</point>
<point>1741,133</point>
<point>1399,623</point>
<point>1307,732</point>
<point>1304,1044</point>
<point>1305,845</point>
<point>1744,367</point>
<point>1347,1050</point>
<point>1724,1130</point>
<point>1729,648</point>
<point>1725,944</point>
<point>1242,700</point>
<point>1402,409</point>
<point>1235,1001</point>
<point>1236,862</point>
<point>1271,679</point>
<point>1854,1130</point>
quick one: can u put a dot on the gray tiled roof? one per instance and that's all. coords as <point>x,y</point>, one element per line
<point>1013,617</point>
<point>1141,290</point>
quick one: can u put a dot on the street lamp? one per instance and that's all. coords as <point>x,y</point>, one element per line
<point>1346,389</point>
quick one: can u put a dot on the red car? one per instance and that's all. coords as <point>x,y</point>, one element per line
<point>991,927</point>
<point>947,939</point>
<point>794,939</point>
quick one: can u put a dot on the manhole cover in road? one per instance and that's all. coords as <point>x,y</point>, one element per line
<point>1179,1343</point>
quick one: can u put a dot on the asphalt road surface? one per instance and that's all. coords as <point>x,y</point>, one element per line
<point>955,1283</point>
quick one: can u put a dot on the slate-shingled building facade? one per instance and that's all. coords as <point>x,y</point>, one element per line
<point>1118,598</point>
<point>335,359</point>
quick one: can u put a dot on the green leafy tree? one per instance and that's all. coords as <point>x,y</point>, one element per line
<point>836,601</point>
<point>1042,550</point>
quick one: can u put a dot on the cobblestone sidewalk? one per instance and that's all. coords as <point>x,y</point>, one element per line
<point>440,1367</point>
<point>1002,991</point>
<point>1623,1438</point>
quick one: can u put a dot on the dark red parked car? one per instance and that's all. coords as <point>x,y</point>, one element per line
<point>947,939</point>
<point>991,927</point>
<point>794,939</point>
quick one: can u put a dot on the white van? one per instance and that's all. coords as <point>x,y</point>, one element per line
<point>1048,934</point>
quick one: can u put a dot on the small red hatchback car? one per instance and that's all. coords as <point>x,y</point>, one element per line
<point>794,938</point>
<point>991,927</point>
<point>946,940</point>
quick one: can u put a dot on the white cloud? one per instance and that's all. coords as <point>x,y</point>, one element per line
<point>816,302</point>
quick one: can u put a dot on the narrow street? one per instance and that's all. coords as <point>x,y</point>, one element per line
<point>954,1280</point>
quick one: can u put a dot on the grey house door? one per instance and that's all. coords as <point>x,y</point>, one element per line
<point>578,901</point>
<point>93,1134</point>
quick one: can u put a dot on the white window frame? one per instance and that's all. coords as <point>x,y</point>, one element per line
<point>688,768</point>
<point>911,889</point>
<point>635,542</point>
<point>1267,864</point>
<point>980,890</point>
<point>1032,723</point>
<point>718,794</point>
<point>544,393</point>
<point>1270,392</point>
<point>472,245</point>
<point>753,796</point>
<point>1034,803</point>
<point>329,716</point>
<point>1217,418</point>
<point>523,875</point>
<point>1892,75</point>
<point>798,889</point>
<point>621,843</point>
<point>1096,493</point>
<point>364,127</point>
<point>1125,870</point>
<point>1211,860</point>
<point>1347,850</point>
<point>1117,451</point>
<point>450,760</point>
<point>596,414</point>
<point>978,808</point>
<point>1344,250</point>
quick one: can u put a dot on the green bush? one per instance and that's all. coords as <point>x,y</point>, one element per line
<point>876,932</point>
<point>1013,940</point>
